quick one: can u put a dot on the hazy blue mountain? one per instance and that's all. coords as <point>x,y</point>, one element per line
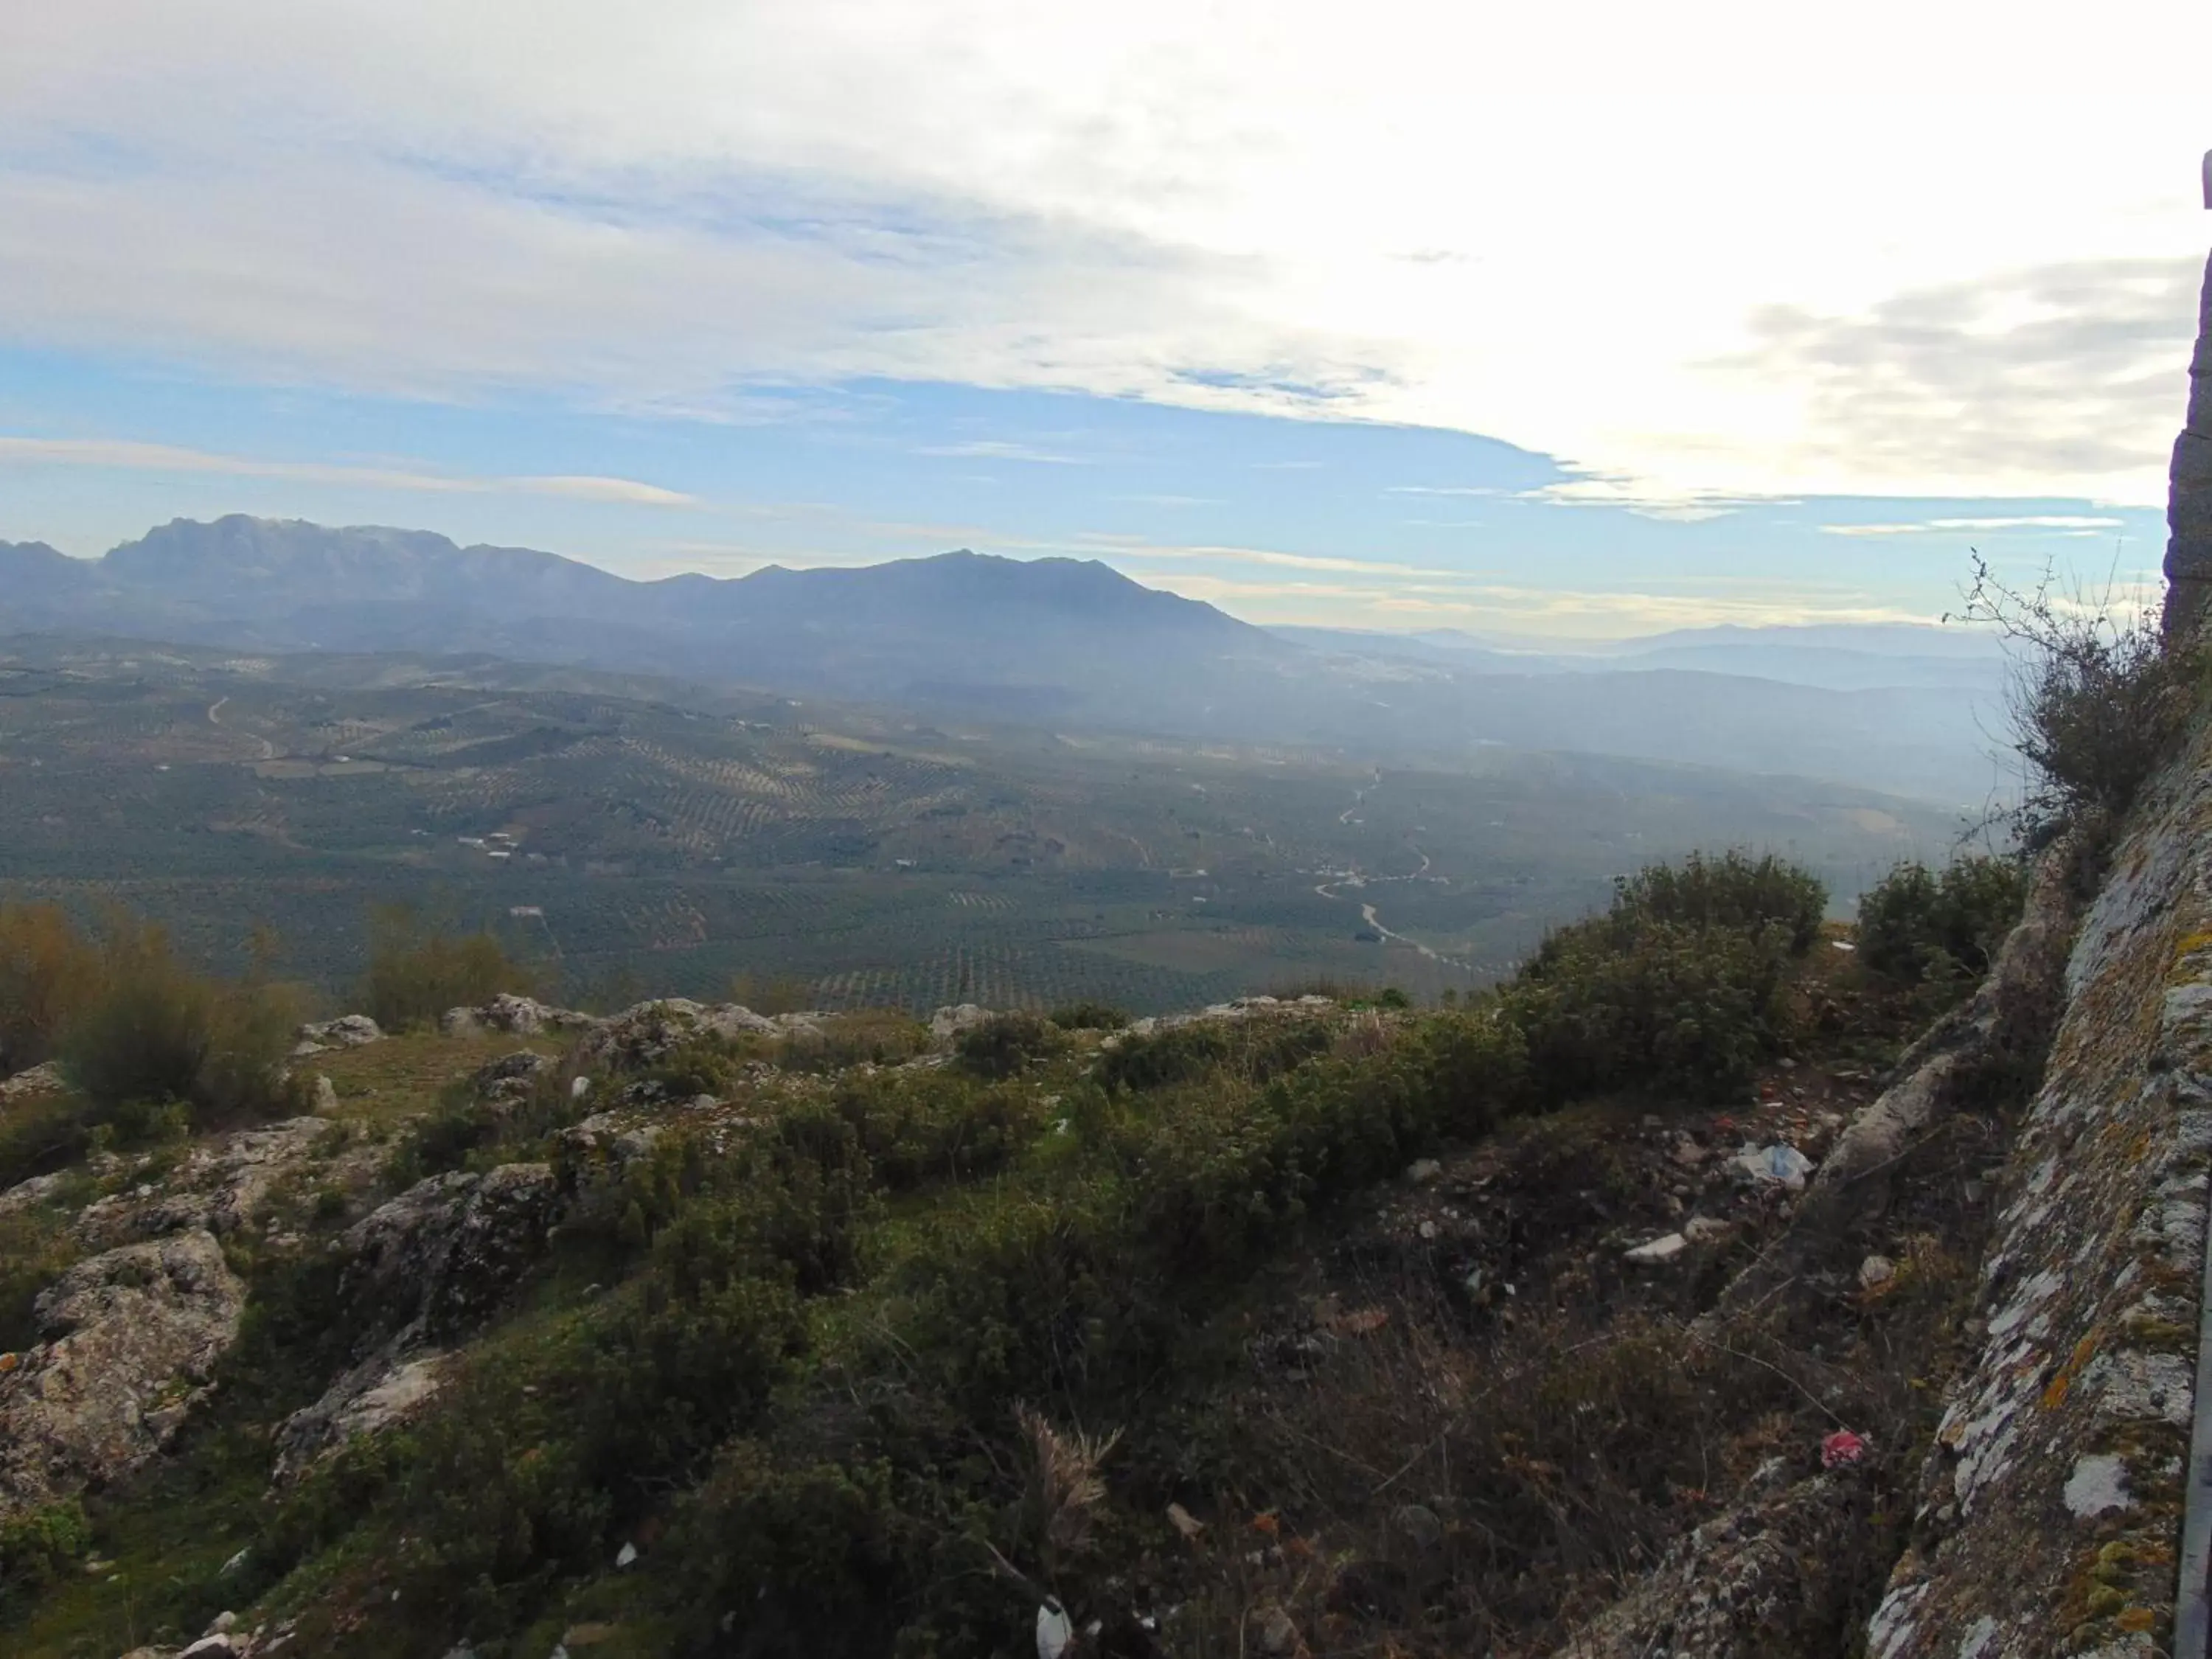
<point>1882,639</point>
<point>32,575</point>
<point>1050,643</point>
<point>1834,657</point>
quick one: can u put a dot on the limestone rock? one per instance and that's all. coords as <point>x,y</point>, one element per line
<point>1225,1013</point>
<point>349,1031</point>
<point>129,1340</point>
<point>426,1269</point>
<point>950,1022</point>
<point>642,1036</point>
<point>1659,1251</point>
<point>45,1079</point>
<point>218,1187</point>
<point>378,1393</point>
<point>515,1016</point>
<point>1762,1578</point>
<point>438,1258</point>
<point>511,1077</point>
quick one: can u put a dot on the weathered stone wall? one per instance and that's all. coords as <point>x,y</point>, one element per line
<point>2189,500</point>
<point>2051,1505</point>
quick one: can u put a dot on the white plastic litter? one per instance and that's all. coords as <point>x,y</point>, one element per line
<point>1779,1163</point>
<point>1055,1632</point>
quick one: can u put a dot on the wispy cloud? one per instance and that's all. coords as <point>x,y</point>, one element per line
<point>1643,499</point>
<point>1565,612</point>
<point>992,449</point>
<point>169,458</point>
<point>1441,489</point>
<point>2068,523</point>
<point>1137,547</point>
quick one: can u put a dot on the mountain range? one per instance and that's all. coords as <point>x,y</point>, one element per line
<point>1059,643</point>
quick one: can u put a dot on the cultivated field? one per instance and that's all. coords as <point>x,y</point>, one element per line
<point>633,835</point>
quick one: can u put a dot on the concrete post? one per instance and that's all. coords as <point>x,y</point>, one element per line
<point>2188,496</point>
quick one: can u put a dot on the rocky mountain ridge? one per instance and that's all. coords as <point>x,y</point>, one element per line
<point>1048,642</point>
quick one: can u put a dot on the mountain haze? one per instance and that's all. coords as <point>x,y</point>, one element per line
<point>1058,641</point>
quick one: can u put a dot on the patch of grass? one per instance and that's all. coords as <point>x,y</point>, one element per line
<point>383,1084</point>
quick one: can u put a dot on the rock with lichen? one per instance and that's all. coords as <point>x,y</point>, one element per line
<point>129,1340</point>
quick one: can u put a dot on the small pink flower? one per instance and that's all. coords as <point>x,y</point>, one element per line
<point>1841,1450</point>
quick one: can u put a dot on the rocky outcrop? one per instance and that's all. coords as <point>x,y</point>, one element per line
<point>1229,1013</point>
<point>129,1339</point>
<point>949,1021</point>
<point>435,1260</point>
<point>514,1016</point>
<point>350,1031</point>
<point>511,1077</point>
<point>2188,496</point>
<point>423,1271</point>
<point>2050,1505</point>
<point>2001,1025</point>
<point>382,1392</point>
<point>1750,1583</point>
<point>218,1188</point>
<point>646,1035</point>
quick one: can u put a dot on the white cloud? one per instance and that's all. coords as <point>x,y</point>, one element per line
<point>169,458</point>
<point>1660,271</point>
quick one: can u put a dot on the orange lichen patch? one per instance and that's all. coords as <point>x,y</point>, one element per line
<point>2055,1395</point>
<point>2136,1619</point>
<point>9,1362</point>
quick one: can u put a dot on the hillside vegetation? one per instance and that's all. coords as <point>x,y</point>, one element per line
<point>1322,1324</point>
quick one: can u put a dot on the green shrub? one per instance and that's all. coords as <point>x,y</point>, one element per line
<point>1477,1064</point>
<point>38,1546</point>
<point>1734,890</point>
<point>35,1245</point>
<point>1252,1050</point>
<point>555,1436</point>
<point>917,1127</point>
<point>1675,1011</point>
<point>1919,925</point>
<point>416,975</point>
<point>1089,1017</point>
<point>872,1036</point>
<point>2101,700</point>
<point>48,972</point>
<point>812,1551</point>
<point>1677,991</point>
<point>1007,1044</point>
<point>1017,1295</point>
<point>156,1034</point>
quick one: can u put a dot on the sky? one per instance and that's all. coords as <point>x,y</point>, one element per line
<point>1567,321</point>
